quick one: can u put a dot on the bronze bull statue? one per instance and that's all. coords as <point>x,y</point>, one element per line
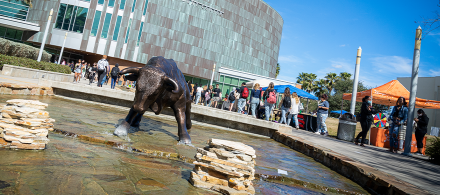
<point>159,84</point>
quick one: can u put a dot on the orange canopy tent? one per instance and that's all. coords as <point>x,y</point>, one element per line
<point>389,93</point>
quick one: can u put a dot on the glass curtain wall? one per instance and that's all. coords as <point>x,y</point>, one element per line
<point>127,31</point>
<point>122,4</point>
<point>134,5</point>
<point>111,3</point>
<point>145,6</point>
<point>97,18</point>
<point>71,18</point>
<point>11,34</point>
<point>105,27</point>
<point>117,28</point>
<point>16,9</point>
<point>140,33</point>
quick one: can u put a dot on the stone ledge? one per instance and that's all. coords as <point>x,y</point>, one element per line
<point>373,180</point>
<point>21,89</point>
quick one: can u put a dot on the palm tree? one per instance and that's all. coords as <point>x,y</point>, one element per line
<point>277,70</point>
<point>345,76</point>
<point>302,80</point>
<point>331,78</point>
<point>319,87</point>
<point>307,81</point>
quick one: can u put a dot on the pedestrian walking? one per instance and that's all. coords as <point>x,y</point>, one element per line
<point>398,117</point>
<point>114,75</point>
<point>323,108</point>
<point>244,94</point>
<point>285,104</point>
<point>102,69</point>
<point>256,94</point>
<point>270,99</point>
<point>365,120</point>
<point>422,123</point>
<point>294,111</point>
<point>216,96</point>
<point>199,89</point>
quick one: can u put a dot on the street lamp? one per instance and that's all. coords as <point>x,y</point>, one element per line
<point>45,35</point>
<point>355,81</point>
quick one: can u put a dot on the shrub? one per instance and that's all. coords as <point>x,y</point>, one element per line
<point>12,48</point>
<point>33,64</point>
<point>434,151</point>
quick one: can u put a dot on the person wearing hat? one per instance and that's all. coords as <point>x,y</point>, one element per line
<point>102,69</point>
<point>244,94</point>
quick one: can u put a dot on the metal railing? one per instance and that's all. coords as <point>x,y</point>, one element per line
<point>15,9</point>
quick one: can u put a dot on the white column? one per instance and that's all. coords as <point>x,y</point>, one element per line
<point>45,35</point>
<point>62,48</point>
<point>355,82</point>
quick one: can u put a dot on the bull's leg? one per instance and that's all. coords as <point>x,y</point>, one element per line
<point>179,112</point>
<point>122,129</point>
<point>137,120</point>
<point>188,108</point>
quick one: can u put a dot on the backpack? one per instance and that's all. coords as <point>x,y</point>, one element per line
<point>287,102</point>
<point>245,93</point>
<point>101,65</point>
<point>114,71</point>
<point>271,97</point>
<point>231,97</point>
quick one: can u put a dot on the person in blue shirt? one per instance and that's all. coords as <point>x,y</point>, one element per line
<point>256,94</point>
<point>321,117</point>
<point>398,117</point>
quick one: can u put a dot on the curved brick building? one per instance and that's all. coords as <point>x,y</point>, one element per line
<point>242,37</point>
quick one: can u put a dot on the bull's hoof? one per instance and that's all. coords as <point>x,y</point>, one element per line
<point>188,143</point>
<point>122,129</point>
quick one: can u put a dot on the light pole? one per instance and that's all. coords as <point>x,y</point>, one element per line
<point>212,76</point>
<point>62,48</point>
<point>45,35</point>
<point>355,82</point>
<point>413,91</point>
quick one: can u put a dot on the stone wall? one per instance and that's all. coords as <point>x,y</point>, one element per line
<point>20,89</point>
<point>23,72</point>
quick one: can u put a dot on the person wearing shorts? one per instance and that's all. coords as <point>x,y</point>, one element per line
<point>216,96</point>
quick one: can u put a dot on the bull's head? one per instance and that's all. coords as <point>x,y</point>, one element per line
<point>151,83</point>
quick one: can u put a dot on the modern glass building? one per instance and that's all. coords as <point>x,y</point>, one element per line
<point>239,35</point>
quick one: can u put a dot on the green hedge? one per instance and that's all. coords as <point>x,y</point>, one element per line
<point>33,64</point>
<point>434,151</point>
<point>12,48</point>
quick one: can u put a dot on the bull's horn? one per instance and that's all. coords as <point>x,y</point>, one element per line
<point>134,70</point>
<point>168,80</point>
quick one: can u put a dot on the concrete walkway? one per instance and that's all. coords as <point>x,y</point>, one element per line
<point>415,171</point>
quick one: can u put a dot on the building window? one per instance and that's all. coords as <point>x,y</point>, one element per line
<point>140,33</point>
<point>71,18</point>
<point>100,2</point>
<point>122,4</point>
<point>111,3</point>
<point>145,6</point>
<point>105,27</point>
<point>117,28</point>
<point>16,9</point>
<point>11,34</point>
<point>97,18</point>
<point>127,31</point>
<point>134,5</point>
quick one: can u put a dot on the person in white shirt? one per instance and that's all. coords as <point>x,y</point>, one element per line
<point>198,93</point>
<point>295,102</point>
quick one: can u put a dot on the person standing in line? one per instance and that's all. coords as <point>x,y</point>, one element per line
<point>232,97</point>
<point>114,75</point>
<point>422,123</point>
<point>244,94</point>
<point>194,92</point>
<point>217,94</point>
<point>77,71</point>
<point>270,99</point>
<point>323,108</point>
<point>285,104</point>
<point>102,69</point>
<point>256,94</point>
<point>83,71</point>
<point>208,96</point>
<point>295,104</point>
<point>365,120</point>
<point>398,116</point>
<point>199,89</point>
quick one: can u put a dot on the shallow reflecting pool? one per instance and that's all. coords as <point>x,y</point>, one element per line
<point>73,166</point>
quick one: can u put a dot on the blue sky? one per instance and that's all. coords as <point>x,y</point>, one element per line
<point>323,36</point>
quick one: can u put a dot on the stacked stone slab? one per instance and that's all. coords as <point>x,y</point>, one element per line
<point>225,166</point>
<point>24,124</point>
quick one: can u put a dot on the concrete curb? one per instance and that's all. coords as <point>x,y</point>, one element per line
<point>23,72</point>
<point>374,181</point>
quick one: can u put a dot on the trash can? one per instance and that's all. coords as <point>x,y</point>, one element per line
<point>347,127</point>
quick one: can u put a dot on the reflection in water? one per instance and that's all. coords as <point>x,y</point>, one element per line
<point>70,166</point>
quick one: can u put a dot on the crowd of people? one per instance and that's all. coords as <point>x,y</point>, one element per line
<point>397,130</point>
<point>251,102</point>
<point>99,72</point>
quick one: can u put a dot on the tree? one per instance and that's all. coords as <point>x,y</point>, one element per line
<point>345,76</point>
<point>331,78</point>
<point>277,70</point>
<point>306,80</point>
<point>430,24</point>
<point>320,87</point>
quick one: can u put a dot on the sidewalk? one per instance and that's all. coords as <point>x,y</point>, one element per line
<point>415,171</point>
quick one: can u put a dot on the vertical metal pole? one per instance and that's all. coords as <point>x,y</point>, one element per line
<point>355,82</point>
<point>62,48</point>
<point>212,76</point>
<point>45,35</point>
<point>413,91</point>
<point>370,130</point>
